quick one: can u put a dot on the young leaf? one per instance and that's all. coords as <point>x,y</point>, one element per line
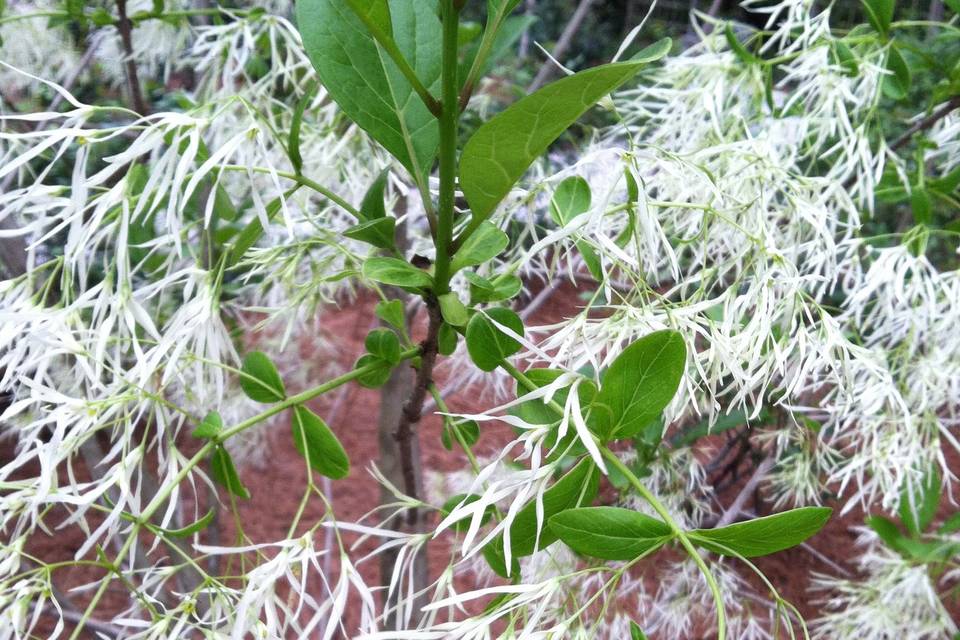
<point>396,272</point>
<point>843,57</point>
<point>888,531</point>
<point>487,345</point>
<point>293,140</point>
<point>317,443</point>
<point>447,340</point>
<point>225,473</point>
<point>763,536</point>
<point>260,379</point>
<point>190,529</point>
<point>917,509</point>
<point>377,376</point>
<point>378,232</point>
<point>741,51</point>
<point>366,83</point>
<point>468,431</point>
<point>452,309</point>
<point>503,287</point>
<point>636,633</point>
<point>209,427</point>
<point>571,199</point>
<point>578,487</point>
<point>896,83</point>
<point>641,382</point>
<point>609,533</point>
<point>499,152</point>
<point>391,312</point>
<point>483,244</point>
<point>372,207</point>
<point>879,14</point>
<point>384,344</point>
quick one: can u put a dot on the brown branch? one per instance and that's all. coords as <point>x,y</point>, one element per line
<point>413,407</point>
<point>130,66</point>
<point>926,123</point>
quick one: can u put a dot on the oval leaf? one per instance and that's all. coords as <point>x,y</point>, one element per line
<point>366,83</point>
<point>483,244</point>
<point>487,345</point>
<point>571,199</point>
<point>453,311</point>
<point>384,344</point>
<point>225,473</point>
<point>578,487</point>
<point>260,380</point>
<point>317,443</point>
<point>641,382</point>
<point>609,533</point>
<point>396,272</point>
<point>502,149</point>
<point>763,536</point>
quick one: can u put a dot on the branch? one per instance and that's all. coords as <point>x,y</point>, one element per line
<point>124,26</point>
<point>926,123</point>
<point>413,408</point>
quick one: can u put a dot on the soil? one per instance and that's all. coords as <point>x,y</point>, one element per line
<point>277,483</point>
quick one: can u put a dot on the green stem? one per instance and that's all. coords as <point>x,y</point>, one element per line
<point>161,497</point>
<point>647,495</point>
<point>449,122</point>
<point>677,531</point>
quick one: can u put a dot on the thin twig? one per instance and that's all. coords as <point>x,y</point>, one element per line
<point>125,27</point>
<point>926,123</point>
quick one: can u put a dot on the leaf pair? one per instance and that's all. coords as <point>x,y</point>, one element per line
<point>611,533</point>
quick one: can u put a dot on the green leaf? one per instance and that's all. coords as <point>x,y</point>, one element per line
<point>653,52</point>
<point>452,309</point>
<point>377,376</point>
<point>918,508</point>
<point>367,84</point>
<point>636,633</point>
<point>293,139</point>
<point>571,199</point>
<point>372,207</point>
<point>954,5</point>
<point>482,245</point>
<point>844,58</point>
<point>377,11</point>
<point>508,34</point>
<point>384,344</point>
<point>920,205</point>
<point>209,427</point>
<point>501,7</point>
<point>225,474</point>
<point>391,312</point>
<point>396,272</point>
<point>447,340</point>
<point>502,288</point>
<point>609,533</point>
<point>763,536</point>
<point>260,379</point>
<point>487,345</point>
<point>641,382</point>
<point>315,441</point>
<point>494,555</point>
<point>879,14</point>
<point>741,51</point>
<point>950,525</point>
<point>896,84</point>
<point>188,530</point>
<point>576,488</point>
<point>378,232</point>
<point>502,149</point>
<point>468,430</point>
<point>887,531</point>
